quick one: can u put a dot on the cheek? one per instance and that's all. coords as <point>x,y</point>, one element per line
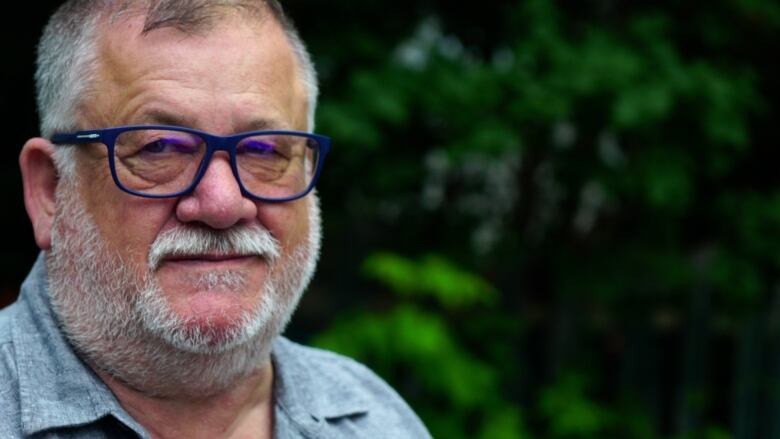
<point>128,224</point>
<point>288,222</point>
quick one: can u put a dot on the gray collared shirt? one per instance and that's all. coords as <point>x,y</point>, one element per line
<point>46,391</point>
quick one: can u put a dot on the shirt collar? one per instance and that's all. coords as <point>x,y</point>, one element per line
<point>308,399</point>
<point>56,388</point>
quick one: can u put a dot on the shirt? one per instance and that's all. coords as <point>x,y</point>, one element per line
<point>47,391</point>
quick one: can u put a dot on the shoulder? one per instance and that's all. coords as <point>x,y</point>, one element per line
<point>350,395</point>
<point>5,322</point>
<point>7,351</point>
<point>9,388</point>
<point>330,369</point>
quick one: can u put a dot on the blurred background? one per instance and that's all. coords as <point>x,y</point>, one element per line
<point>543,219</point>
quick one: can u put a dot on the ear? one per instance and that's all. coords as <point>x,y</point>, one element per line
<point>39,177</point>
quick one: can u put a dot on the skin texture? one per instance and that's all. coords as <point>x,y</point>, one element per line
<point>221,82</point>
<point>240,75</point>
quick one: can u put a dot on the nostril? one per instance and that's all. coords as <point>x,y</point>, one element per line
<point>217,200</point>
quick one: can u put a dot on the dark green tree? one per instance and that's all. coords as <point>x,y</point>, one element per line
<point>554,219</point>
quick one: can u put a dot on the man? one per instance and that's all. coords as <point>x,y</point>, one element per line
<point>171,197</point>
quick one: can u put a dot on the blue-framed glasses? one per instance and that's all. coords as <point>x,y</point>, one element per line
<point>161,161</point>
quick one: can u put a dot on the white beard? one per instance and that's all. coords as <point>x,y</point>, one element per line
<point>122,324</point>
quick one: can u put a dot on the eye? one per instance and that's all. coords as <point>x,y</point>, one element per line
<point>169,145</point>
<point>257,147</point>
<point>157,146</point>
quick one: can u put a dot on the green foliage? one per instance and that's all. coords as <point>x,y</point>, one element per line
<point>570,413</point>
<point>432,276</point>
<point>412,338</point>
<point>529,204</point>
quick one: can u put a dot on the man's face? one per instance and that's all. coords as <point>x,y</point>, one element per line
<point>239,76</point>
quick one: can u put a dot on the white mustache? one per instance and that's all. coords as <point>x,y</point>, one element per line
<point>197,240</point>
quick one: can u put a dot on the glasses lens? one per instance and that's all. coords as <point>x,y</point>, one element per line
<point>276,166</point>
<point>157,162</point>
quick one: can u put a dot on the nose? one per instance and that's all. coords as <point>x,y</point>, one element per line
<point>217,200</point>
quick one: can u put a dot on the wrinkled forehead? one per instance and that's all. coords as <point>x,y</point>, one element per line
<point>123,31</point>
<point>188,16</point>
<point>230,56</point>
<point>129,34</point>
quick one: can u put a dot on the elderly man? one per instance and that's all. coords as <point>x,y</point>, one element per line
<point>171,195</point>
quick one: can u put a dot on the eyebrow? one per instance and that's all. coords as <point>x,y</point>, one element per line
<point>160,117</point>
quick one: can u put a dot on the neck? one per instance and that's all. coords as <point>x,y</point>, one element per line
<point>242,411</point>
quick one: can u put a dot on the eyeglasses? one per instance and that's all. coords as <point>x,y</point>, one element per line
<point>160,161</point>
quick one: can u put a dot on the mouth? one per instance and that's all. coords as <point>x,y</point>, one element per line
<point>210,259</point>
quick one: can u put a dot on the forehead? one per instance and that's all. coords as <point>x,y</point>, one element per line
<point>239,68</point>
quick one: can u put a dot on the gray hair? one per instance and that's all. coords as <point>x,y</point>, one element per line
<point>67,52</point>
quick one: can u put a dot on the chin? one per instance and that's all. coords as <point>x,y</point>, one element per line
<point>207,322</point>
<point>211,335</point>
